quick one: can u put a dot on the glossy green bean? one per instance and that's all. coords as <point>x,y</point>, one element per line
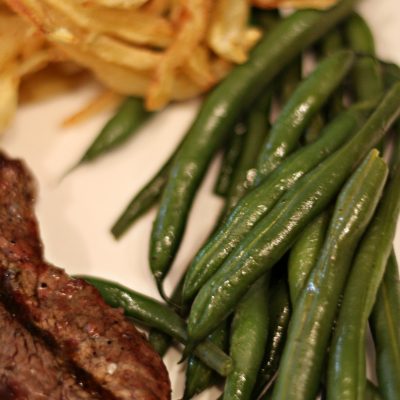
<point>313,316</point>
<point>372,392</point>
<point>249,333</point>
<point>257,203</point>
<point>314,129</point>
<point>146,198</point>
<point>358,34</point>
<point>265,19</point>
<point>160,341</point>
<point>347,370</point>
<point>217,115</point>
<point>129,117</point>
<point>385,326</point>
<point>230,159</point>
<point>297,113</point>
<point>391,74</point>
<point>245,172</point>
<point>154,314</point>
<point>304,254</point>
<point>276,232</point>
<point>289,80</point>
<point>268,394</point>
<point>367,74</point>
<point>331,43</point>
<point>198,376</point>
<point>279,310</point>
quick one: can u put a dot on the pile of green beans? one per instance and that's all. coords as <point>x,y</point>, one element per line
<point>313,317</point>
<point>275,233</point>
<point>278,299</point>
<point>218,114</point>
<point>346,371</point>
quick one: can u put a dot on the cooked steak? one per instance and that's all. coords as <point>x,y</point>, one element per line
<point>69,313</point>
<point>19,236</point>
<point>30,371</point>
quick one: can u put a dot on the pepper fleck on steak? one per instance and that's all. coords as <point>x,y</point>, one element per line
<point>69,313</point>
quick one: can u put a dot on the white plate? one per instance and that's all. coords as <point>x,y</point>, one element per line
<point>76,214</point>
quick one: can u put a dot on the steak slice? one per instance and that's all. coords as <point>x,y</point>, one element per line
<point>30,371</point>
<point>69,313</point>
<point>19,235</point>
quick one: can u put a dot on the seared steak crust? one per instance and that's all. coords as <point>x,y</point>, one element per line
<point>19,235</point>
<point>69,313</point>
<point>30,371</point>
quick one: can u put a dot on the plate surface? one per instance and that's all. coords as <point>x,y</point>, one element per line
<point>75,214</point>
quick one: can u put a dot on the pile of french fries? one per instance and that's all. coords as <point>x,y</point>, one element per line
<point>161,50</point>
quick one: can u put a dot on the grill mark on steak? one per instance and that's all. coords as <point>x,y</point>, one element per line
<point>70,313</point>
<point>29,371</point>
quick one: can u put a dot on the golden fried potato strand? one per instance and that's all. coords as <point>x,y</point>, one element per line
<point>317,4</point>
<point>103,101</point>
<point>22,52</point>
<point>54,80</point>
<point>229,35</point>
<point>9,82</point>
<point>125,80</point>
<point>191,29</point>
<point>117,3</point>
<point>163,50</point>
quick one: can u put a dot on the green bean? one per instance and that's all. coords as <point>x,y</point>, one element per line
<point>231,156</point>
<point>249,332</point>
<point>198,376</point>
<point>331,43</point>
<point>304,254</point>
<point>305,102</point>
<point>268,394</point>
<point>314,313</point>
<point>154,314</point>
<point>385,326</point>
<point>391,74</point>
<point>367,75</point>
<point>275,233</point>
<point>146,198</point>
<point>265,19</point>
<point>260,200</point>
<point>314,128</point>
<point>279,310</point>
<point>160,341</point>
<point>245,172</point>
<point>346,372</point>
<point>218,114</point>
<point>289,80</point>
<point>372,392</point>
<point>359,35</point>
<point>129,117</point>
<point>384,319</point>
